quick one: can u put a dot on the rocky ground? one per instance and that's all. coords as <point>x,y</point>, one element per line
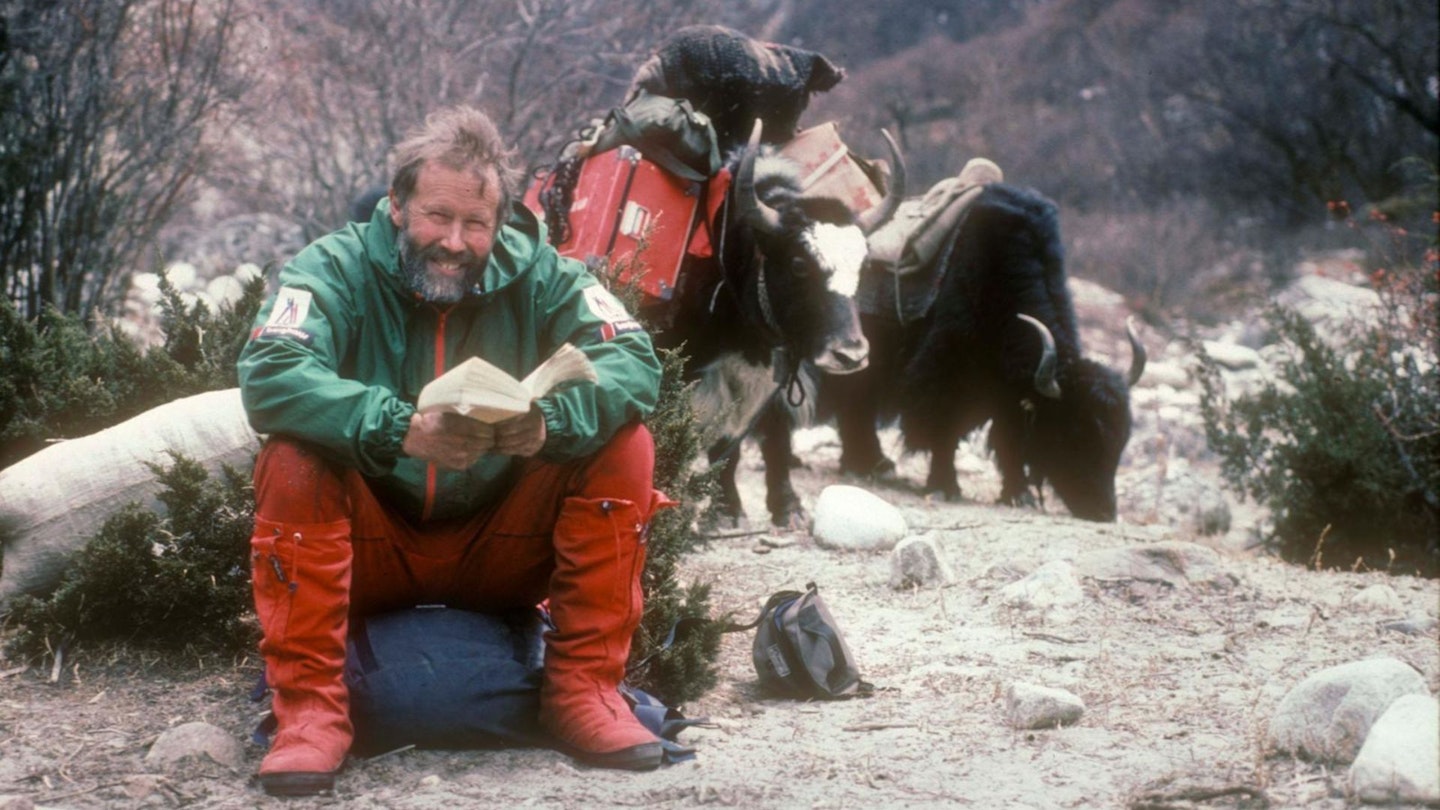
<point>1180,672</point>
<point>1178,678</point>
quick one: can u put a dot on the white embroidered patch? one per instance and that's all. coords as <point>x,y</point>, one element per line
<point>291,307</point>
<point>842,248</point>
<point>604,305</point>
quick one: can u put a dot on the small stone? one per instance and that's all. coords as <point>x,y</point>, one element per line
<point>1031,706</point>
<point>1413,627</point>
<point>1233,356</point>
<point>1051,585</point>
<point>917,561</point>
<point>248,272</point>
<point>1175,563</point>
<point>1379,598</point>
<point>182,275</point>
<point>194,740</point>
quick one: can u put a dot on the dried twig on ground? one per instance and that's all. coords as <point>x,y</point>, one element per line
<point>1162,800</point>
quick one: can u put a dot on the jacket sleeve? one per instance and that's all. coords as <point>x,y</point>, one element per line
<point>577,309</point>
<point>289,370</point>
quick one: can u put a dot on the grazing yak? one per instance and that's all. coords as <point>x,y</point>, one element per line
<point>779,292</point>
<point>998,343</point>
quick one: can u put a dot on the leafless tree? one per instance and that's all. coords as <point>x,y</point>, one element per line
<point>108,111</point>
<point>346,80</point>
<point>1293,103</point>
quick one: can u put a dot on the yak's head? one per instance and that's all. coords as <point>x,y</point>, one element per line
<point>1082,424</point>
<point>795,261</point>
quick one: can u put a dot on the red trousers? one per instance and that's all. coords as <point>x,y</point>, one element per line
<point>498,559</point>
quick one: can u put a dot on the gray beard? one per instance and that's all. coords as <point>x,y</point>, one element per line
<point>436,289</point>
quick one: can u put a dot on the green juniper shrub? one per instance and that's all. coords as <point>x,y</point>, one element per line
<point>62,380</point>
<point>685,669</point>
<point>1344,446</point>
<point>59,381</point>
<point>173,581</point>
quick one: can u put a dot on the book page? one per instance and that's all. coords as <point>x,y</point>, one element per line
<point>566,364</point>
<point>481,390</point>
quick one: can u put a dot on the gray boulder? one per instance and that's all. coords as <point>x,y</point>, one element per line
<point>1174,563</point>
<point>850,518</point>
<point>1400,761</point>
<point>1327,716</point>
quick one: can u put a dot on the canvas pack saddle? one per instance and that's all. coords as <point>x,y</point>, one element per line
<point>903,274</point>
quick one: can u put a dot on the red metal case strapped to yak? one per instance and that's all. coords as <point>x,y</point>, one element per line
<point>619,199</point>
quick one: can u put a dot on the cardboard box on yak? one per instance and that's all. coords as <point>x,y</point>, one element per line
<point>829,169</point>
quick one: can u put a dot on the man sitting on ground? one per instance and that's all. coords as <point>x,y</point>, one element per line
<point>365,505</point>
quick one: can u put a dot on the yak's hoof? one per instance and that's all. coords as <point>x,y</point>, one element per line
<point>949,491</point>
<point>791,520</point>
<point>877,469</point>
<point>1023,500</point>
<point>723,520</point>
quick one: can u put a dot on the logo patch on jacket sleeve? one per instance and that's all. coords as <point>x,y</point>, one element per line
<point>604,305</point>
<point>291,308</point>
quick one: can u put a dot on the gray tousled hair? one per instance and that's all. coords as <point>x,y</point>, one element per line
<point>459,138</point>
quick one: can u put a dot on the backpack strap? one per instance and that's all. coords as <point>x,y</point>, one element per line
<point>689,622</point>
<point>683,624</point>
<point>776,599</point>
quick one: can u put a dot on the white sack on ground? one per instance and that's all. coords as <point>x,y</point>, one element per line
<point>53,502</point>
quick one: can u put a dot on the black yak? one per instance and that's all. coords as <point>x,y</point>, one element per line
<point>999,344</point>
<point>780,292</point>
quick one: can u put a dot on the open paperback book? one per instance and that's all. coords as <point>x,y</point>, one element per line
<point>481,391</point>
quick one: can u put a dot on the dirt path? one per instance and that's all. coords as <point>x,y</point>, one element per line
<point>1178,683</point>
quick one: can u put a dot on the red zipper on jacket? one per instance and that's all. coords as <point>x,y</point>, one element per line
<point>431,472</point>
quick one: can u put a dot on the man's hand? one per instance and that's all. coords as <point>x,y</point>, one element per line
<point>448,440</point>
<point>521,435</point>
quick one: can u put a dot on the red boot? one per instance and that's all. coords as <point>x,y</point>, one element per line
<point>596,604</point>
<point>301,578</point>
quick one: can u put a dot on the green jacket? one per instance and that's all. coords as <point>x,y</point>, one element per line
<point>338,356</point>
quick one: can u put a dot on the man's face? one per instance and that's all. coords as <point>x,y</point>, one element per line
<point>446,230</point>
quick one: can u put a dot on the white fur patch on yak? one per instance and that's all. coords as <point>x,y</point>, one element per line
<point>729,393</point>
<point>842,248</point>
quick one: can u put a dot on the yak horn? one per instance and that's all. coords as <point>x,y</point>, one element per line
<point>749,202</point>
<point>1137,353</point>
<point>871,220</point>
<point>1044,370</point>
